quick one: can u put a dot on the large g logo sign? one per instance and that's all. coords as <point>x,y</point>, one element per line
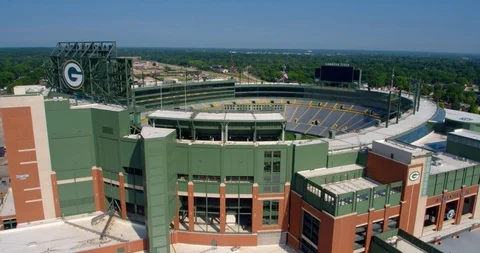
<point>414,176</point>
<point>73,74</point>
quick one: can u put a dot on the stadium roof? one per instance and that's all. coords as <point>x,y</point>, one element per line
<point>407,123</point>
<point>464,117</point>
<point>218,117</point>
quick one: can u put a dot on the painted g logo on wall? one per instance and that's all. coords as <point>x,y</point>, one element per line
<point>73,74</point>
<point>414,176</point>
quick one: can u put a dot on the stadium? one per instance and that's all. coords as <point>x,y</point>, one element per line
<point>98,164</point>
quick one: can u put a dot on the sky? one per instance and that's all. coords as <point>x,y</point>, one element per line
<point>406,25</point>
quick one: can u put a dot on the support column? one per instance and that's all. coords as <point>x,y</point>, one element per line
<point>461,202</point>
<point>226,132</point>
<point>223,215</point>
<point>56,200</point>
<point>283,131</point>
<point>368,236</point>
<point>441,213</point>
<point>403,217</point>
<point>98,189</point>
<point>398,104</point>
<point>389,109</point>
<point>286,201</point>
<point>176,221</point>
<point>257,211</point>
<point>123,204</point>
<point>385,218</point>
<point>191,203</point>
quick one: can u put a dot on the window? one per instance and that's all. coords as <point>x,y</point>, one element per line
<point>182,177</point>
<point>271,171</point>
<point>310,227</point>
<point>306,247</point>
<point>133,171</point>
<point>270,212</point>
<point>239,179</point>
<point>201,178</point>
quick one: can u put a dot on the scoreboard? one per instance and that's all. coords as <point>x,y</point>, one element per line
<point>337,73</point>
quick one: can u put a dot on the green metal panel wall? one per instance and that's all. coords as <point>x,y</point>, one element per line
<point>229,160</point>
<point>463,150</point>
<point>307,157</point>
<point>453,180</point>
<point>342,159</point>
<point>160,181</point>
<point>76,197</point>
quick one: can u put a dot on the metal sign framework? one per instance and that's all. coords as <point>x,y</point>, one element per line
<point>107,77</point>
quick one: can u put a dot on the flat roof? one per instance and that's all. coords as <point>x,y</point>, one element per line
<point>165,114</point>
<point>210,116</point>
<point>149,132</point>
<point>115,108</point>
<point>464,117</point>
<point>218,116</point>
<point>448,162</point>
<point>408,122</point>
<point>268,117</point>
<point>56,235</point>
<point>414,150</point>
<point>327,171</point>
<point>351,185</point>
<point>467,134</point>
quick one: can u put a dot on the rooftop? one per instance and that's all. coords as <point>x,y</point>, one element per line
<point>351,185</point>
<point>444,162</point>
<point>466,134</point>
<point>163,114</point>
<point>327,171</point>
<point>464,117</point>
<point>109,107</point>
<point>154,132</point>
<point>414,150</point>
<point>218,117</point>
<point>56,235</point>
<point>408,122</point>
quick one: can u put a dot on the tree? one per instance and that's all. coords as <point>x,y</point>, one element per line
<point>6,78</point>
<point>402,83</point>
<point>473,108</point>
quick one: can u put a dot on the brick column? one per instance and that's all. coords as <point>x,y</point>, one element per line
<point>368,236</point>
<point>385,218</point>
<point>441,213</point>
<point>223,215</point>
<point>191,203</point>
<point>56,200</point>
<point>286,201</point>
<point>256,209</point>
<point>403,217</point>
<point>98,189</point>
<point>461,202</point>
<point>123,204</point>
<point>176,222</point>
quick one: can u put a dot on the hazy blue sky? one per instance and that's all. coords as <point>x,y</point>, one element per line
<point>406,25</point>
